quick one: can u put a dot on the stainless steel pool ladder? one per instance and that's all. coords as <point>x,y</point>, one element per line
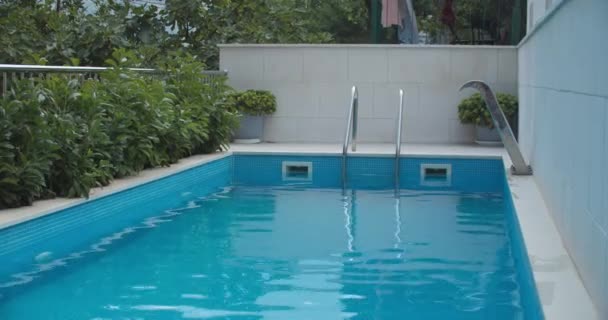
<point>398,139</point>
<point>519,166</point>
<point>351,130</point>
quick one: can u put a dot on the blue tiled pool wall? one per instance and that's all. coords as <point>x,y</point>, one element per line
<point>532,304</point>
<point>64,231</point>
<point>468,175</point>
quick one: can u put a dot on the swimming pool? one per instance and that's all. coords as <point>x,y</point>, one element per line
<point>276,237</point>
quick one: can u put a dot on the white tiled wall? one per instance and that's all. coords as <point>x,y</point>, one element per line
<point>563,92</point>
<point>312,84</point>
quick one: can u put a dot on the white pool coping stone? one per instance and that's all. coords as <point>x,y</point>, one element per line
<point>561,291</point>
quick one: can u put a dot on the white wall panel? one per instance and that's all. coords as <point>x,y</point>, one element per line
<point>563,94</point>
<point>312,84</point>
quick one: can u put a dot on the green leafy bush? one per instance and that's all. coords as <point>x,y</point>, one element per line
<point>62,136</point>
<point>253,102</point>
<point>202,101</point>
<point>26,148</point>
<point>473,110</point>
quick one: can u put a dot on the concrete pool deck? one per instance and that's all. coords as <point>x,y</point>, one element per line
<point>560,288</point>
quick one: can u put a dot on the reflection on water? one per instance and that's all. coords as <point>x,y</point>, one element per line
<point>288,253</point>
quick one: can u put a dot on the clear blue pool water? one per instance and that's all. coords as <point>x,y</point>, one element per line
<point>281,252</point>
<point>235,239</point>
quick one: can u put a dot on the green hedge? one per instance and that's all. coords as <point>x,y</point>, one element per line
<point>61,136</point>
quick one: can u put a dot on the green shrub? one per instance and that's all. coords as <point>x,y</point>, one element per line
<point>71,114</point>
<point>26,148</point>
<point>253,102</point>
<point>473,110</point>
<point>201,102</point>
<point>61,136</point>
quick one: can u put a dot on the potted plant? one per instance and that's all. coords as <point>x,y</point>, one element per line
<point>253,105</point>
<point>473,110</point>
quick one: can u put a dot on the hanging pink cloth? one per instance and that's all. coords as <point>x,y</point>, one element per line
<point>391,15</point>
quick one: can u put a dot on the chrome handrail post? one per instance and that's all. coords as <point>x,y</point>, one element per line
<point>355,118</point>
<point>351,129</point>
<point>398,138</point>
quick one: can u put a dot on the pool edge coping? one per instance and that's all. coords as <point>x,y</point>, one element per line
<point>560,288</point>
<point>368,154</point>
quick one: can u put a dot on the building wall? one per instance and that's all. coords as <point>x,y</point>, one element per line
<point>312,84</point>
<point>537,9</point>
<point>563,92</point>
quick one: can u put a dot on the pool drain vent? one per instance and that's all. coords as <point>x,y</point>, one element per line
<point>436,175</point>
<point>297,171</point>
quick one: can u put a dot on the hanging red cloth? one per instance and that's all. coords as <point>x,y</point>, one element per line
<point>449,19</point>
<point>447,14</point>
<point>391,15</point>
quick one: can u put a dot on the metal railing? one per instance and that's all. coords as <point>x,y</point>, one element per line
<point>351,130</point>
<point>501,124</point>
<point>11,73</point>
<point>398,139</point>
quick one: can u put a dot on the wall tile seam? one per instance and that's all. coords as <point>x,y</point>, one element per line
<point>604,153</point>
<point>456,84</point>
<point>310,118</point>
<point>603,231</point>
<point>553,212</point>
<point>335,46</point>
<point>596,223</point>
<point>316,84</point>
<point>263,75</point>
<point>497,65</point>
<point>399,84</point>
<point>450,63</point>
<point>344,118</point>
<point>384,53</point>
<point>373,100</point>
<point>348,64</point>
<point>386,67</point>
<point>567,91</point>
<point>539,24</point>
<point>495,53</point>
<point>301,61</point>
<point>265,66</point>
<point>564,231</point>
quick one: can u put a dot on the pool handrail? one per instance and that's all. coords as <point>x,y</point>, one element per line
<point>351,130</point>
<point>501,124</point>
<point>398,138</point>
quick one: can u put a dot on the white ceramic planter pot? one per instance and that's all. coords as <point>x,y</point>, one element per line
<point>486,136</point>
<point>251,130</point>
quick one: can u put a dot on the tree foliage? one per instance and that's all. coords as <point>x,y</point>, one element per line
<point>61,136</point>
<point>35,31</point>
<point>476,21</point>
<point>88,32</point>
